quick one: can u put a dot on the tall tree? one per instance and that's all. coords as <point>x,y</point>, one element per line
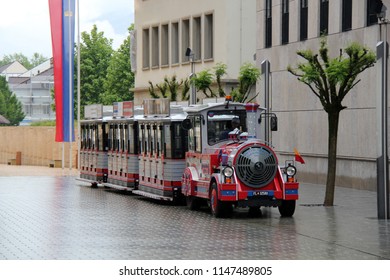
<point>330,80</point>
<point>10,106</point>
<point>95,55</point>
<point>120,78</point>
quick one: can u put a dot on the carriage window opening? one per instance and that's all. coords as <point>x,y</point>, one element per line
<point>100,137</point>
<point>134,138</point>
<point>156,139</point>
<point>141,138</point>
<point>93,137</point>
<point>177,141</point>
<point>86,137</point>
<point>122,137</point>
<point>167,141</point>
<point>105,136</point>
<point>118,137</point>
<point>110,138</point>
<point>113,137</point>
<point>150,140</point>
<point>163,147</point>
<point>125,138</point>
<point>82,136</point>
<point>159,140</point>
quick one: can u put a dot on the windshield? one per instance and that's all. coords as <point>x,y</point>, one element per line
<point>220,123</point>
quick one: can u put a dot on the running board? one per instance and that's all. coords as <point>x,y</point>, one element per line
<point>154,196</point>
<point>121,188</point>
<point>98,184</point>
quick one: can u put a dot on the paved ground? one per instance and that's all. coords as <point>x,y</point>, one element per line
<point>49,215</point>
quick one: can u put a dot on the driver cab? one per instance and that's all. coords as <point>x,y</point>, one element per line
<point>209,126</point>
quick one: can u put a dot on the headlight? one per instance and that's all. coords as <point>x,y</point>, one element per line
<point>291,170</point>
<point>228,172</point>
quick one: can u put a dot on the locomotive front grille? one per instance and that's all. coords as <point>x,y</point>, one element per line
<point>256,166</point>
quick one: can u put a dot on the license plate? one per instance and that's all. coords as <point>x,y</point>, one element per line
<point>260,193</point>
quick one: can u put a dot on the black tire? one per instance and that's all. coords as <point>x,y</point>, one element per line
<point>219,209</point>
<point>94,185</point>
<point>193,203</point>
<point>287,208</point>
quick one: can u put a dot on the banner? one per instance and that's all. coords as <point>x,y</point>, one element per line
<point>62,21</point>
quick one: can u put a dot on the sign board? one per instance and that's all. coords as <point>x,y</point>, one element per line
<point>157,107</point>
<point>118,110</point>
<point>123,109</point>
<point>128,109</point>
<point>94,111</point>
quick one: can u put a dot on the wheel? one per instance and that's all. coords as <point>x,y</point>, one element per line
<point>219,208</point>
<point>193,203</point>
<point>287,208</point>
<point>94,185</point>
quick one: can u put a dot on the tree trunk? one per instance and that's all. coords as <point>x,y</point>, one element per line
<point>333,124</point>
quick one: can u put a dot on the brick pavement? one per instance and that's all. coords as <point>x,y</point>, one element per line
<point>50,215</point>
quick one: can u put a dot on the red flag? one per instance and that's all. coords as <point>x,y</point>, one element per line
<point>298,157</point>
<point>62,17</point>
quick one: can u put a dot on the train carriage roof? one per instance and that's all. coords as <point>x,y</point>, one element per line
<point>193,109</point>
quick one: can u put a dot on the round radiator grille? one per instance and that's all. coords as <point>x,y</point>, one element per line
<point>256,166</point>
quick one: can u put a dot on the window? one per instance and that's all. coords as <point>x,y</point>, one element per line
<point>324,16</point>
<point>164,45</point>
<point>155,47</point>
<point>285,21</point>
<point>268,23</point>
<point>373,8</point>
<point>175,43</point>
<point>220,123</point>
<point>185,39</point>
<point>303,20</point>
<point>146,48</point>
<point>209,37</point>
<point>346,15</point>
<point>197,38</point>
<point>179,145</point>
<point>194,135</point>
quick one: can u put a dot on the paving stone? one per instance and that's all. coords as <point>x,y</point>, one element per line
<point>57,217</point>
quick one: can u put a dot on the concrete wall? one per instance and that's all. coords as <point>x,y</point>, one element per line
<point>303,123</point>
<point>36,144</point>
<point>234,37</point>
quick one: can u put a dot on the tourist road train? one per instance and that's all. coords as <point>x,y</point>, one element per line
<point>204,154</point>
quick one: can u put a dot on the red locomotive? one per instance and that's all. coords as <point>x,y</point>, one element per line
<point>208,154</point>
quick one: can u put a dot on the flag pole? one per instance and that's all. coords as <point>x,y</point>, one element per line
<point>78,85</point>
<point>70,85</point>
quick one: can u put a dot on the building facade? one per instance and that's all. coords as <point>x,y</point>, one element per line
<point>33,89</point>
<point>218,31</point>
<point>286,26</point>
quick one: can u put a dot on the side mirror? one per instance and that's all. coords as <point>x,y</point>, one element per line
<point>186,124</point>
<point>274,123</point>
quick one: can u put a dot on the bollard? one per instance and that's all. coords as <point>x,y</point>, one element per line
<point>18,159</point>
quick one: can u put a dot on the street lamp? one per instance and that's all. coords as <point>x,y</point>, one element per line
<point>382,88</point>
<point>190,54</point>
